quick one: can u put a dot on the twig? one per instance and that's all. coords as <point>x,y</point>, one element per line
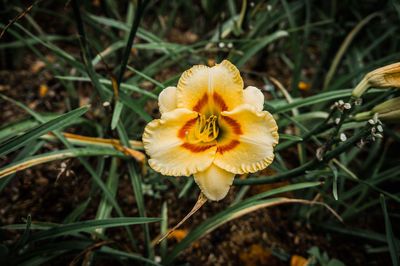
<point>21,15</point>
<point>200,202</point>
<point>88,249</point>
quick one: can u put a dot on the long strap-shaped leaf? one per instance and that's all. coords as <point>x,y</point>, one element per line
<point>51,125</point>
<point>58,155</point>
<point>89,225</point>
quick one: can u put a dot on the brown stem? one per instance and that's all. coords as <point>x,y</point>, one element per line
<point>200,202</point>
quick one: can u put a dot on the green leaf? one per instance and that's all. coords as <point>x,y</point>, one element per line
<point>252,47</point>
<point>17,142</point>
<point>14,128</point>
<point>116,115</point>
<point>367,234</point>
<point>123,97</point>
<point>108,82</point>
<point>31,41</point>
<point>393,248</point>
<point>30,149</point>
<point>335,262</point>
<point>186,188</point>
<point>77,211</point>
<point>41,253</point>
<point>283,106</point>
<point>57,155</point>
<point>119,253</point>
<point>289,137</point>
<point>137,188</point>
<point>24,237</point>
<point>104,209</point>
<point>89,225</point>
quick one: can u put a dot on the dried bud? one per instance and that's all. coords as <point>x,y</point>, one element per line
<point>384,77</point>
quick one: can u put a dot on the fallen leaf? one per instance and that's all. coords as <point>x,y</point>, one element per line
<point>43,90</point>
<point>178,234</point>
<point>304,86</point>
<point>256,255</point>
<point>297,260</point>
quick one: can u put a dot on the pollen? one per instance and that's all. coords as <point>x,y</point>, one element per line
<point>206,129</point>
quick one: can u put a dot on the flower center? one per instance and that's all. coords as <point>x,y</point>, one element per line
<point>206,130</point>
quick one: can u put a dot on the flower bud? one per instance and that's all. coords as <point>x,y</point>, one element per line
<point>388,111</point>
<point>384,77</point>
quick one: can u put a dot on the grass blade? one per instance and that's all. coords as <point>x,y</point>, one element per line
<point>85,51</point>
<point>57,155</point>
<point>282,106</point>
<point>394,251</point>
<point>137,189</point>
<point>57,123</point>
<point>346,43</point>
<point>252,47</point>
<point>119,253</point>
<point>289,137</point>
<point>90,225</point>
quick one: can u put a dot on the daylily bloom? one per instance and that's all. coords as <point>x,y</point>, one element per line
<point>211,128</point>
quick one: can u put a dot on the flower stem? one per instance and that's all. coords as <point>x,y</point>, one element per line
<point>321,126</point>
<point>308,165</point>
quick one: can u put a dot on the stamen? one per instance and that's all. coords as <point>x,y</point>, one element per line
<point>206,130</point>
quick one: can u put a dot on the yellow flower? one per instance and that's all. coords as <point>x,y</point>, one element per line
<point>211,128</point>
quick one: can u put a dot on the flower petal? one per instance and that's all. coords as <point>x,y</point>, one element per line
<point>253,96</point>
<point>167,100</point>
<point>247,140</point>
<point>214,182</point>
<point>170,154</point>
<point>203,89</point>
